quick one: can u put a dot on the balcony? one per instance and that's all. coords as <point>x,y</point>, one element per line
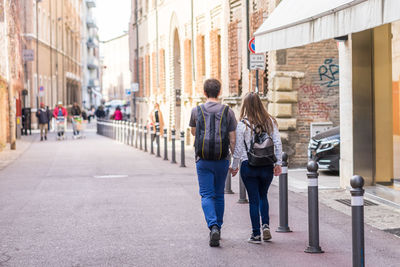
<point>93,63</point>
<point>91,23</point>
<point>92,43</point>
<point>91,3</point>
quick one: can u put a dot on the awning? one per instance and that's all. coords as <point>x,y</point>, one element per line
<point>296,23</point>
<point>97,93</point>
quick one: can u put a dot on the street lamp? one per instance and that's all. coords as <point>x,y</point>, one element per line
<point>37,53</point>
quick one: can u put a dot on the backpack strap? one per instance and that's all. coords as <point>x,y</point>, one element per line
<point>200,111</point>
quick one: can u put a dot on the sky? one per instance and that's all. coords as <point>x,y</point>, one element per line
<point>112,17</point>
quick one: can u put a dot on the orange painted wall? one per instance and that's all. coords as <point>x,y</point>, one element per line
<point>396,108</point>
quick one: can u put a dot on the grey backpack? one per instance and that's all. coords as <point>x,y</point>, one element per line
<point>212,135</point>
<point>261,152</point>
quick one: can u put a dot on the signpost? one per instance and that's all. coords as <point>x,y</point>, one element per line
<point>257,61</point>
<point>41,91</point>
<point>135,87</point>
<point>128,92</point>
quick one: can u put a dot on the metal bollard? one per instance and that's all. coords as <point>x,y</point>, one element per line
<point>283,197</point>
<point>183,149</point>
<point>228,184</point>
<point>145,138</point>
<point>165,145</point>
<point>151,140</point>
<point>136,134</point>
<point>140,137</point>
<point>131,134</point>
<point>313,216</point>
<point>173,137</point>
<point>119,131</point>
<point>158,141</point>
<point>126,132</point>
<point>114,128</point>
<point>242,191</point>
<point>357,218</point>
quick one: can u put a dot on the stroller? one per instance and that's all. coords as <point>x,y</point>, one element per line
<point>78,127</point>
<point>60,122</point>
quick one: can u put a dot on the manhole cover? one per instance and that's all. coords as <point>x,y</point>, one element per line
<point>395,231</point>
<point>110,176</point>
<point>347,202</point>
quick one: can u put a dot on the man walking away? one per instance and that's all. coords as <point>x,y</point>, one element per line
<point>213,126</point>
<point>43,116</point>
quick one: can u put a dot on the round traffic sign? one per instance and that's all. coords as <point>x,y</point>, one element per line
<point>252,45</point>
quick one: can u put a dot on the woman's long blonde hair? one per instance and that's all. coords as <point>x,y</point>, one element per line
<point>254,111</point>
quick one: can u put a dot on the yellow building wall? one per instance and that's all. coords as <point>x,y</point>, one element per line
<point>383,106</point>
<point>3,114</point>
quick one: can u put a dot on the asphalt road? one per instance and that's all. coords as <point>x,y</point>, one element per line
<point>94,202</point>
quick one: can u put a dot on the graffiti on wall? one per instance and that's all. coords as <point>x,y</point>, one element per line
<point>329,73</point>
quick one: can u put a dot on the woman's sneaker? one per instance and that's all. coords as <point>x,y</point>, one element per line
<point>254,239</point>
<point>266,232</point>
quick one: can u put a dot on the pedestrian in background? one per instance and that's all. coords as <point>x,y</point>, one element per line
<point>100,113</point>
<point>157,119</point>
<point>259,148</point>
<point>48,112</point>
<point>43,116</point>
<point>76,114</point>
<point>117,116</point>
<point>213,125</point>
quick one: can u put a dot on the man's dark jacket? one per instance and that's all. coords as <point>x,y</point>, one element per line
<point>43,116</point>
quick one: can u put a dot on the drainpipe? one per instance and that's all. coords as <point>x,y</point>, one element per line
<point>11,101</point>
<point>192,46</point>
<point>157,47</point>
<point>247,32</point>
<point>137,58</point>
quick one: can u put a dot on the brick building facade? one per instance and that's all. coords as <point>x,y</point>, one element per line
<point>11,70</point>
<point>54,28</point>
<point>298,88</point>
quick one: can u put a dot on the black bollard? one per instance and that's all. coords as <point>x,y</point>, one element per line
<point>131,134</point>
<point>313,214</point>
<point>140,137</point>
<point>145,138</point>
<point>228,184</point>
<point>183,149</point>
<point>357,218</point>
<point>158,141</point>
<point>173,138</point>
<point>152,140</point>
<point>165,145</point>
<point>242,191</point>
<point>283,197</point>
<point>136,135</point>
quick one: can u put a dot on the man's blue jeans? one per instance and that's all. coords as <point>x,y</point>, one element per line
<point>212,176</point>
<point>257,181</point>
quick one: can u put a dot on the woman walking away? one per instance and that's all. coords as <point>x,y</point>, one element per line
<point>259,149</point>
<point>117,114</point>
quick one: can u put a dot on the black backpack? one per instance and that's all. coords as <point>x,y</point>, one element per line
<point>212,136</point>
<point>262,148</point>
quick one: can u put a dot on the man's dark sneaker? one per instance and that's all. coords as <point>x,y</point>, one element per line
<point>41,138</point>
<point>254,239</point>
<point>45,138</point>
<point>215,236</point>
<point>266,232</point>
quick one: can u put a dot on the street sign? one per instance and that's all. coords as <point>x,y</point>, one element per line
<point>41,91</point>
<point>257,61</point>
<point>128,92</point>
<point>252,45</point>
<point>135,87</point>
<point>28,55</point>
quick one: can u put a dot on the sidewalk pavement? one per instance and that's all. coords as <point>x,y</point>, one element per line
<point>384,215</point>
<point>94,202</point>
<point>7,155</point>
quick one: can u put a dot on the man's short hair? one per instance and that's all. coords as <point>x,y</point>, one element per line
<point>212,87</point>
